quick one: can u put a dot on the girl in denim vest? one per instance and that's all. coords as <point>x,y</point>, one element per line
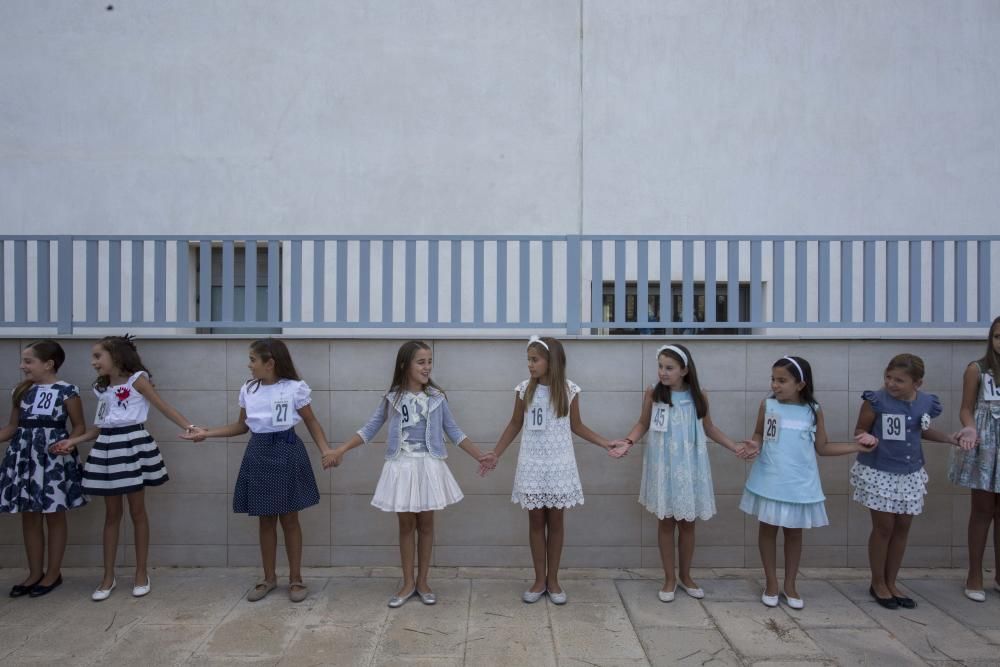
<point>890,480</point>
<point>415,479</point>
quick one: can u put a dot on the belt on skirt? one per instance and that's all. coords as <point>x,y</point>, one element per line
<point>41,422</point>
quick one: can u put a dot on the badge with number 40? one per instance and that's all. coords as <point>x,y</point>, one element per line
<point>102,410</point>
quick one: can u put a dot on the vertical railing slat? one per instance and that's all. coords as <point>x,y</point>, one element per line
<point>159,281</point>
<point>456,281</point>
<point>341,281</point>
<point>642,284</point>
<point>501,281</point>
<point>295,293</point>
<point>596,281</point>
<point>755,271</point>
<point>478,285</point>
<point>524,282</point>
<point>778,283</point>
<point>228,281</point>
<point>205,281</point>
<point>823,253</point>
<point>432,281</point>
<point>387,315</point>
<point>91,279</point>
<point>619,316</point>
<point>733,281</point>
<point>364,282</point>
<point>801,295</point>
<point>937,281</point>
<point>21,281</point>
<point>138,280</point>
<point>916,283</point>
<point>250,281</point>
<point>319,280</point>
<point>64,273</point>
<point>666,283</point>
<point>273,282</point>
<point>44,292</point>
<point>687,290</point>
<point>868,279</point>
<point>115,281</point>
<point>891,281</point>
<point>846,281</point>
<point>183,262</point>
<point>410,294</point>
<point>961,281</point>
<point>983,282</point>
<point>547,282</point>
<point>711,279</point>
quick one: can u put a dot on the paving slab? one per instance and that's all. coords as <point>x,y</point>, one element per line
<point>503,630</point>
<point>687,646</point>
<point>156,645</point>
<point>863,647</point>
<point>645,610</point>
<point>826,607</point>
<point>949,596</point>
<point>596,634</point>
<point>760,632</point>
<point>418,631</point>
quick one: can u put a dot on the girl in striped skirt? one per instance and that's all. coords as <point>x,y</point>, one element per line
<point>125,458</point>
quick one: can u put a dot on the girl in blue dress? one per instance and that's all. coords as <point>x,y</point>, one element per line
<point>676,475</point>
<point>41,474</point>
<point>783,489</point>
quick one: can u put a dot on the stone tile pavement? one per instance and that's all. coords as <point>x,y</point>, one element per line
<point>199,617</point>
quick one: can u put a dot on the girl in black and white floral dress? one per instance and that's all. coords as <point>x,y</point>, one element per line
<point>40,475</point>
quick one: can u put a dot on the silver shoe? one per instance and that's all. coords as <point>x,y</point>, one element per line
<point>531,596</point>
<point>557,598</point>
<point>399,600</point>
<point>427,598</point>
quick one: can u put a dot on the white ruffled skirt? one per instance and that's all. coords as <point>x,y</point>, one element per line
<point>415,482</point>
<point>782,513</point>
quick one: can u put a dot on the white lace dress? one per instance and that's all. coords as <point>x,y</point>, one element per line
<point>547,475</point>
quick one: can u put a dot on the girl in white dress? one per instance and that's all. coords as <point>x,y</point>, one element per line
<point>547,480</point>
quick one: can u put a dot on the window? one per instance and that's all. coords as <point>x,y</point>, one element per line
<point>676,306</point>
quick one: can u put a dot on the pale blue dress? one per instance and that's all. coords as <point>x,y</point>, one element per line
<point>676,475</point>
<point>784,487</point>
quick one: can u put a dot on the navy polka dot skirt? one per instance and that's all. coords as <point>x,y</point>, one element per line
<point>275,476</point>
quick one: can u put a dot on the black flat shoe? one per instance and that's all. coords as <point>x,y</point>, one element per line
<point>888,603</point>
<point>38,590</point>
<point>20,590</point>
<point>906,603</point>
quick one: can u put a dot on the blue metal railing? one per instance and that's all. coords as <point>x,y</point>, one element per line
<point>574,282</point>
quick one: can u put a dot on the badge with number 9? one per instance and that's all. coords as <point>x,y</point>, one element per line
<point>772,425</point>
<point>45,402</point>
<point>281,412</point>
<point>894,427</point>
<point>536,418</point>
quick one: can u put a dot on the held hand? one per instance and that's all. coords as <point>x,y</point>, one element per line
<point>619,448</point>
<point>62,447</point>
<point>487,463</point>
<point>195,434</point>
<point>750,449</point>
<point>332,458</point>
<point>967,438</point>
<point>867,441</point>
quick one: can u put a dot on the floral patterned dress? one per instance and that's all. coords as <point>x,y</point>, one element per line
<point>31,478</point>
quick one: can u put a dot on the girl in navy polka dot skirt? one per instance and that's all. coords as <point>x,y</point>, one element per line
<point>276,480</point>
<point>890,480</point>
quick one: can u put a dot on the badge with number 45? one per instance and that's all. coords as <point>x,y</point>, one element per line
<point>658,420</point>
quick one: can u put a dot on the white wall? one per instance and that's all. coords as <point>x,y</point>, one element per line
<point>490,116</point>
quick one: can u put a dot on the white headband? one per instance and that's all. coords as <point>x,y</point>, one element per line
<point>678,351</point>
<point>802,376</point>
<point>536,339</point>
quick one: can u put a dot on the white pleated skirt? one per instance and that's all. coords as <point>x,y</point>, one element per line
<point>415,482</point>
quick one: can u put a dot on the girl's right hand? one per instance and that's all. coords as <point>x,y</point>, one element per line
<point>967,438</point>
<point>62,447</point>
<point>750,449</point>
<point>619,448</point>
<point>333,458</point>
<point>196,434</point>
<point>867,441</point>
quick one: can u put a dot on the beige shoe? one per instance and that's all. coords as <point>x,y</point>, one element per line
<point>260,590</point>
<point>297,591</point>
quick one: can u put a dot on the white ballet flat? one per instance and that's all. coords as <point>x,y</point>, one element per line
<point>103,593</point>
<point>975,596</point>
<point>696,593</point>
<point>558,598</point>
<point>666,596</point>
<point>769,600</point>
<point>794,603</point>
<point>138,591</point>
<point>531,596</point>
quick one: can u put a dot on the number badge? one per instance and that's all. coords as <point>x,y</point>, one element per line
<point>102,410</point>
<point>45,402</point>
<point>658,420</point>
<point>536,418</point>
<point>991,392</point>
<point>281,413</point>
<point>772,425</point>
<point>894,427</point>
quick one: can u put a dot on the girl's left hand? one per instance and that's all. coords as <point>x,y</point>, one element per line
<point>487,463</point>
<point>967,438</point>
<point>867,441</point>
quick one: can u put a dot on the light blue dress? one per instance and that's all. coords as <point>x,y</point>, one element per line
<point>784,487</point>
<point>676,476</point>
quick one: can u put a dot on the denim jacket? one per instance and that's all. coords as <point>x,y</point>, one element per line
<point>900,457</point>
<point>438,423</point>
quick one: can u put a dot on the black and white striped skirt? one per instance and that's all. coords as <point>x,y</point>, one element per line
<point>124,459</point>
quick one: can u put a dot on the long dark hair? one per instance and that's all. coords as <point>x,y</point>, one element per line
<point>267,349</point>
<point>404,357</point>
<point>45,350</point>
<point>661,392</point>
<point>807,394</point>
<point>555,355</point>
<point>991,360</point>
<point>124,355</point>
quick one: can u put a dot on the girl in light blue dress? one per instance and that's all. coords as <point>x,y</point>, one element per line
<point>676,475</point>
<point>783,489</point>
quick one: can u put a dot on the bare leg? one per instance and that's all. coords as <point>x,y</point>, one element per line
<point>425,546</point>
<point>112,525</point>
<point>34,546</point>
<point>685,551</point>
<point>878,550</point>
<point>553,547</point>
<point>767,542</point>
<point>536,540</point>
<point>407,547</point>
<point>56,523</point>
<point>293,545</point>
<point>665,540</point>
<point>140,525</point>
<point>981,510</point>
<point>268,530</point>
<point>897,547</point>
<point>996,538</point>
<point>793,556</point>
